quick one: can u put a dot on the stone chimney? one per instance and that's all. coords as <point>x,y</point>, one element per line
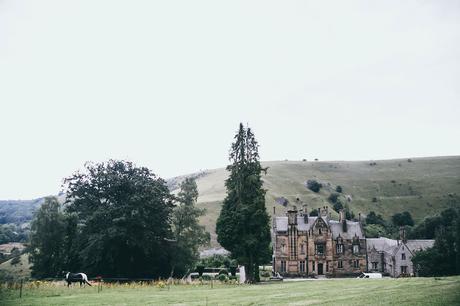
<point>341,216</point>
<point>305,214</point>
<point>292,216</point>
<point>402,234</point>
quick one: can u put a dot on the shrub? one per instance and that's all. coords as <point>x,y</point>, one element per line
<point>333,197</point>
<point>374,199</point>
<point>313,185</point>
<point>265,273</point>
<point>338,189</point>
<point>16,260</point>
<point>223,271</point>
<point>337,206</point>
<point>200,269</point>
<point>206,277</point>
<point>233,270</point>
<point>223,277</point>
<point>314,213</point>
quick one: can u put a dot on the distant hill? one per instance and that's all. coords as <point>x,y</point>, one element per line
<point>422,186</point>
<point>18,211</point>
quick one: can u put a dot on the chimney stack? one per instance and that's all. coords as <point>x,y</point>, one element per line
<point>402,234</point>
<point>341,218</point>
<point>305,216</point>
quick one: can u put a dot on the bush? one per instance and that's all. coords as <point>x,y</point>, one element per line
<point>314,213</point>
<point>200,269</point>
<point>338,189</point>
<point>337,206</point>
<point>374,199</point>
<point>206,277</point>
<point>16,260</point>
<point>313,185</point>
<point>233,270</point>
<point>223,271</point>
<point>223,277</point>
<point>265,273</point>
<point>333,197</point>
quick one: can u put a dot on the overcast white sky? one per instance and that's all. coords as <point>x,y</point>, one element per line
<point>166,83</point>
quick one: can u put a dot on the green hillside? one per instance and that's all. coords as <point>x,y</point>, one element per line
<point>422,186</point>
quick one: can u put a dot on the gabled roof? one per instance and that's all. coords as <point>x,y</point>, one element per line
<point>391,246</point>
<point>382,244</point>
<point>353,228</point>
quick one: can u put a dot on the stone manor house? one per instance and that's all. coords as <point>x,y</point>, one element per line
<point>306,246</point>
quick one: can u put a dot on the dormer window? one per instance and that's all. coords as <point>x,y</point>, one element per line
<point>319,231</point>
<point>302,248</point>
<point>355,248</point>
<point>283,248</point>
<point>339,248</point>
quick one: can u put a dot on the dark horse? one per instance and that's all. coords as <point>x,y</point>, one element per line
<point>75,278</point>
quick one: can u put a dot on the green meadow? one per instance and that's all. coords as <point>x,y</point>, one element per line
<point>408,291</point>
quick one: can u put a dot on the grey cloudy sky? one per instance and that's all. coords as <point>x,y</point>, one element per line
<point>166,83</point>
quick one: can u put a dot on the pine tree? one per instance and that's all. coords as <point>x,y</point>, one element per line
<point>243,224</point>
<point>188,233</point>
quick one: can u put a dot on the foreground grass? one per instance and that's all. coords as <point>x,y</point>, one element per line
<point>413,291</point>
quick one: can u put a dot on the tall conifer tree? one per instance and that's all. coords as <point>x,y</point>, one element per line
<point>243,225</point>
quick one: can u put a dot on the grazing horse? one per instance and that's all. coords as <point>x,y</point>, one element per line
<point>76,277</point>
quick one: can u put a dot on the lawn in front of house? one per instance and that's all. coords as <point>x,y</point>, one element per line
<point>405,291</point>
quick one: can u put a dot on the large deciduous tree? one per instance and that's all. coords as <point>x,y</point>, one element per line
<point>188,233</point>
<point>123,214</point>
<point>243,224</point>
<point>47,239</point>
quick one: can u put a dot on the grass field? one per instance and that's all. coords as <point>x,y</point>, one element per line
<point>411,291</point>
<point>422,186</point>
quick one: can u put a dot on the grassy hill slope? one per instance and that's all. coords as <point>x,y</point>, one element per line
<point>422,186</point>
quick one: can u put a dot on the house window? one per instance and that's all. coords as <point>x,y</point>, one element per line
<point>283,266</point>
<point>327,266</point>
<point>302,266</point>
<point>302,249</point>
<point>313,266</point>
<point>339,249</point>
<point>374,265</point>
<point>403,256</point>
<point>283,248</point>
<point>340,264</point>
<point>355,248</point>
<point>403,269</point>
<point>355,263</point>
<point>319,231</point>
<point>319,249</point>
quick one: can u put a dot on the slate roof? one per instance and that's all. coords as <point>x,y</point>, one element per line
<point>382,244</point>
<point>353,228</point>
<point>390,245</point>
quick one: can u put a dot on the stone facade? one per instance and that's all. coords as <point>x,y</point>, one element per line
<point>394,257</point>
<point>306,246</point>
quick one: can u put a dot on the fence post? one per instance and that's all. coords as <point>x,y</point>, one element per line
<point>20,289</point>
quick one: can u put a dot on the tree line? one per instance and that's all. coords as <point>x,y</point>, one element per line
<point>118,220</point>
